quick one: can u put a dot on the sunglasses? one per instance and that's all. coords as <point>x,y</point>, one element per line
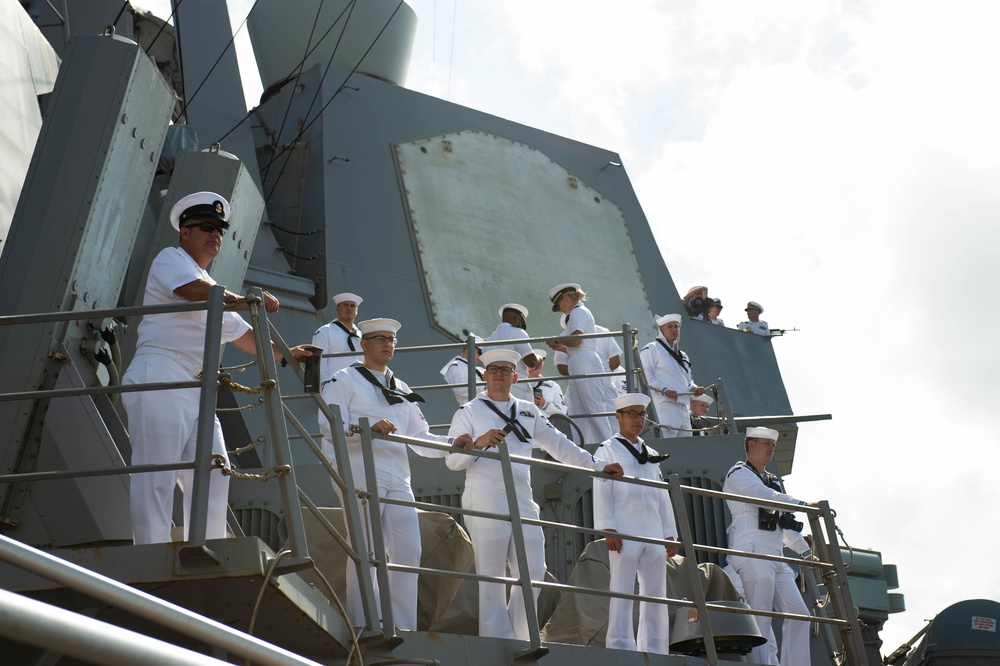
<point>207,227</point>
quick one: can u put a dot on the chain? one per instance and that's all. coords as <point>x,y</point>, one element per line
<point>240,368</point>
<point>252,445</point>
<point>260,401</point>
<point>274,472</point>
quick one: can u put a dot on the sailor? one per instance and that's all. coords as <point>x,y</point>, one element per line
<point>497,418</point>
<point>340,335</point>
<point>699,419</point>
<point>767,585</point>
<point>591,396</point>
<point>369,390</point>
<point>513,326</point>
<point>668,371</point>
<point>714,311</point>
<point>170,348</point>
<point>756,325</point>
<point>548,396</point>
<point>641,511</point>
<point>456,372</point>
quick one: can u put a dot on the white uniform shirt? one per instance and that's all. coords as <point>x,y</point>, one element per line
<point>608,348</point>
<point>484,477</point>
<point>629,508</point>
<point>664,372</point>
<point>758,327</point>
<point>182,332</point>
<point>580,319</point>
<point>553,395</point>
<point>506,331</point>
<point>742,479</point>
<point>456,371</point>
<point>332,339</point>
<point>358,398</point>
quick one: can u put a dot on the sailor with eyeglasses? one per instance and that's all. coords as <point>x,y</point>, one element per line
<point>370,390</point>
<point>641,511</point>
<point>496,418</point>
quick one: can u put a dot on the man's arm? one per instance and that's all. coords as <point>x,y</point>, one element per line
<point>198,290</point>
<point>247,344</point>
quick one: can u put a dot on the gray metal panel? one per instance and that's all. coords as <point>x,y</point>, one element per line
<point>77,217</point>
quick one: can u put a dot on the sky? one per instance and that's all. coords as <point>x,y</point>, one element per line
<point>839,163</point>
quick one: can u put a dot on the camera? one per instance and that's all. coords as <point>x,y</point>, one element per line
<point>786,521</point>
<point>697,306</point>
<point>767,520</point>
<point>537,392</point>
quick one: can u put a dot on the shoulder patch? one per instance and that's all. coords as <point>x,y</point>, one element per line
<point>526,412</point>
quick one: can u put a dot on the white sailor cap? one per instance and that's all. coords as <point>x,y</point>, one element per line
<point>759,432</point>
<point>704,397</point>
<point>631,400</point>
<point>200,206</point>
<point>556,293</point>
<point>514,306</point>
<point>347,296</point>
<point>660,320</point>
<point>499,356</point>
<point>754,304</point>
<point>540,353</point>
<point>374,325</point>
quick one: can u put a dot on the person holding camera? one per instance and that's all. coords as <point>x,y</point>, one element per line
<point>547,394</point>
<point>767,585</point>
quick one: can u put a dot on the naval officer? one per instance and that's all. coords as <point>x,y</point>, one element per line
<point>370,390</point>
<point>170,348</point>
<point>767,585</point>
<point>340,335</point>
<point>642,511</point>
<point>668,371</point>
<point>497,418</point>
<point>756,325</point>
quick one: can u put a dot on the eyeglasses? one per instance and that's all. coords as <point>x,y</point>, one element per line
<point>501,369</point>
<point>633,415</point>
<point>207,227</point>
<point>383,339</point>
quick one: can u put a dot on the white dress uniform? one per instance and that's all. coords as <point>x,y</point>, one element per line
<point>560,358</point>
<point>484,491</point>
<point>456,371</point>
<point>758,327</point>
<point>663,371</point>
<point>163,424</point>
<point>642,511</point>
<point>506,331</point>
<point>553,395</point>
<point>767,585</point>
<point>590,396</point>
<point>334,338</point>
<point>608,348</point>
<point>358,398</point>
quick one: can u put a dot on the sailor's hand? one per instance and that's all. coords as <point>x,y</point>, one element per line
<point>813,504</point>
<point>811,558</point>
<point>539,400</point>
<point>463,441</point>
<point>671,550</point>
<point>670,394</point>
<point>614,543</point>
<point>490,438</point>
<point>384,427</point>
<point>699,390</point>
<point>270,303</point>
<point>615,470</point>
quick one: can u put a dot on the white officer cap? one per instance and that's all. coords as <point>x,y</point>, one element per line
<point>514,306</point>
<point>754,304</point>
<point>631,400</point>
<point>758,432</point>
<point>540,353</point>
<point>347,296</point>
<point>200,205</point>
<point>555,293</point>
<point>499,356</point>
<point>660,320</point>
<point>704,397</point>
<point>376,325</point>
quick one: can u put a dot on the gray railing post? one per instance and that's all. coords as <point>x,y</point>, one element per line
<point>378,537</point>
<point>691,565</point>
<point>629,358</point>
<point>277,435</point>
<point>470,346</point>
<point>198,526</point>
<point>725,406</point>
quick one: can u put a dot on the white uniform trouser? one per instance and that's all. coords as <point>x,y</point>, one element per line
<point>674,414</point>
<point>648,562</point>
<point>493,545</point>
<point>771,586</point>
<point>591,396</point>
<point>163,427</point>
<point>401,532</point>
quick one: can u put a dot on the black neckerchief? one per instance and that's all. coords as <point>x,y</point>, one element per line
<point>512,423</point>
<point>479,373</point>
<point>350,334</point>
<point>684,363</point>
<point>393,395</point>
<point>643,457</point>
<point>539,384</point>
<point>764,478</point>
